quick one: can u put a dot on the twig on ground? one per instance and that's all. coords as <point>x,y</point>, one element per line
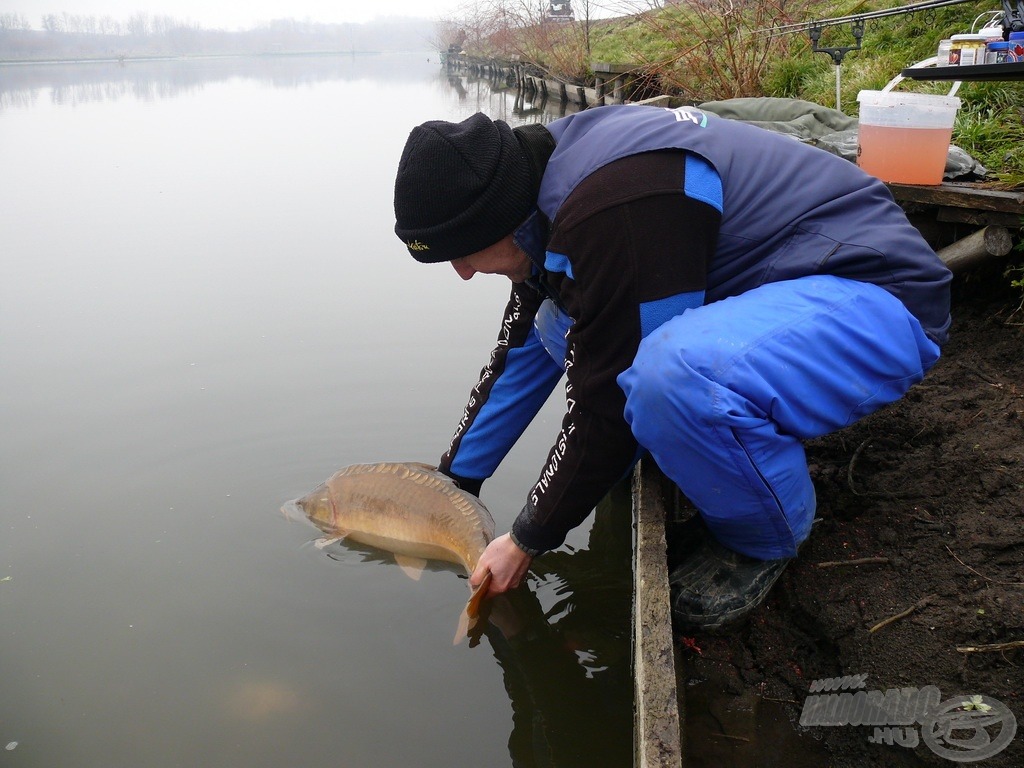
<point>980,374</point>
<point>858,561</point>
<point>853,461</point>
<point>877,494</point>
<point>991,648</point>
<point>982,575</point>
<point>902,614</point>
<point>782,701</point>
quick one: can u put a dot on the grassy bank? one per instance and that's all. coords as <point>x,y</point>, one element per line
<point>719,49</point>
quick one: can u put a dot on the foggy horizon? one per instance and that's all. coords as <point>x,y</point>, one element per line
<point>85,24</point>
<point>213,15</point>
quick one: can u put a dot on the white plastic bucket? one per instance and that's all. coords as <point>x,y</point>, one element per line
<point>904,137</point>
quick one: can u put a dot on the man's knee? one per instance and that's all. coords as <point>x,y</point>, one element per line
<point>664,388</point>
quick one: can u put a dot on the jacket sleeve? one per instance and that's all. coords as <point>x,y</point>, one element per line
<point>634,250</point>
<point>513,386</point>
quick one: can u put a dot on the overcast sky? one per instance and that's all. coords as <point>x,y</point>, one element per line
<point>232,14</point>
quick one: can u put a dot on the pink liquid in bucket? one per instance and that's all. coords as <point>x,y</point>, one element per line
<point>904,155</point>
<point>904,137</point>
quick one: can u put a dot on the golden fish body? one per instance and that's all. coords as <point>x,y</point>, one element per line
<point>409,509</point>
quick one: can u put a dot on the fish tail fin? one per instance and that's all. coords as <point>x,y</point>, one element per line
<point>470,617</point>
<point>462,630</point>
<point>477,596</point>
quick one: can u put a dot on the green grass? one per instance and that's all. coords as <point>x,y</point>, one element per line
<point>682,49</point>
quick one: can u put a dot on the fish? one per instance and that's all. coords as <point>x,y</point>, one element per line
<point>411,510</point>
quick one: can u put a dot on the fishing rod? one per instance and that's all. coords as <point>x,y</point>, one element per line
<point>806,26</point>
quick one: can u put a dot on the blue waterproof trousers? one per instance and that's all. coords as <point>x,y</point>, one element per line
<point>722,396</point>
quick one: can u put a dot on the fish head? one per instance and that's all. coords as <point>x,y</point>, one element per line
<point>318,507</point>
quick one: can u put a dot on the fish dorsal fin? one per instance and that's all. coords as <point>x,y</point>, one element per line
<point>420,465</point>
<point>412,566</point>
<point>469,506</point>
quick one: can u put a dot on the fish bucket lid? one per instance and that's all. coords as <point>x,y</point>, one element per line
<point>924,101</point>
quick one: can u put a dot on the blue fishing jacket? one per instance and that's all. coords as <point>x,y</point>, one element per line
<point>642,213</point>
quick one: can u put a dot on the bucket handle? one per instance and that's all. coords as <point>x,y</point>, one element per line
<point>930,62</point>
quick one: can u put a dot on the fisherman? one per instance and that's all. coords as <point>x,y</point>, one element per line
<point>715,293</point>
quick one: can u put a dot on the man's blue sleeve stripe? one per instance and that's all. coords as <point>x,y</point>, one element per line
<point>654,313</point>
<point>558,262</point>
<point>702,182</point>
<point>518,394</point>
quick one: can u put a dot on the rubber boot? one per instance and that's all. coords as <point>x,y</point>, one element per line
<point>712,587</point>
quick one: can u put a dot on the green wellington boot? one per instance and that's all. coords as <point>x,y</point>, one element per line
<point>711,586</point>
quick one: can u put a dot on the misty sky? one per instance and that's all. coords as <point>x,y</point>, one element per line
<point>232,14</point>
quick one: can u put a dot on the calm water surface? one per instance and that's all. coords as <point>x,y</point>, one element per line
<point>203,314</point>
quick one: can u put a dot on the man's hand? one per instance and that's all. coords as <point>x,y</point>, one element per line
<point>506,562</point>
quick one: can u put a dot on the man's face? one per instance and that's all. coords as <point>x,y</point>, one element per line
<point>502,258</point>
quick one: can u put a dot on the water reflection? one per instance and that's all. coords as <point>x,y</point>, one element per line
<point>563,645</point>
<point>501,99</point>
<point>76,83</point>
<point>72,83</point>
<point>567,667</point>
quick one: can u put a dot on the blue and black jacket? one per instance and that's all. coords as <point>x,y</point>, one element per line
<point>642,213</point>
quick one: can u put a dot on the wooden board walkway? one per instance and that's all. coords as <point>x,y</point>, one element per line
<point>658,731</point>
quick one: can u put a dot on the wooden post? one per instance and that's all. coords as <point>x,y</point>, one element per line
<point>619,90</point>
<point>980,246</point>
<point>618,74</point>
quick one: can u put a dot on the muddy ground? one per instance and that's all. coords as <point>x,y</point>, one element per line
<point>934,486</point>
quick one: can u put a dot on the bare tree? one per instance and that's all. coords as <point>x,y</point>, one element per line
<point>53,23</point>
<point>138,24</point>
<point>109,26</point>
<point>14,22</point>
<point>525,29</point>
<point>720,47</point>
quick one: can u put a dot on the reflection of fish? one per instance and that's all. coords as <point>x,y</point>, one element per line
<point>410,510</point>
<point>259,701</point>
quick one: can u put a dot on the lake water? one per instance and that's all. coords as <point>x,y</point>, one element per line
<point>203,314</point>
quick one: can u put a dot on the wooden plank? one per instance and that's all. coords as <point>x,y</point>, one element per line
<point>612,67</point>
<point>961,195</point>
<point>658,723</point>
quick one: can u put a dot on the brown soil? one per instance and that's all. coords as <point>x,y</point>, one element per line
<point>935,485</point>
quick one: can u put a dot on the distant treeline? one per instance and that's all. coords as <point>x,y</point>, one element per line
<point>71,36</point>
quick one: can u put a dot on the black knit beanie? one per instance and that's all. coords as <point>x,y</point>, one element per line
<point>461,187</point>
